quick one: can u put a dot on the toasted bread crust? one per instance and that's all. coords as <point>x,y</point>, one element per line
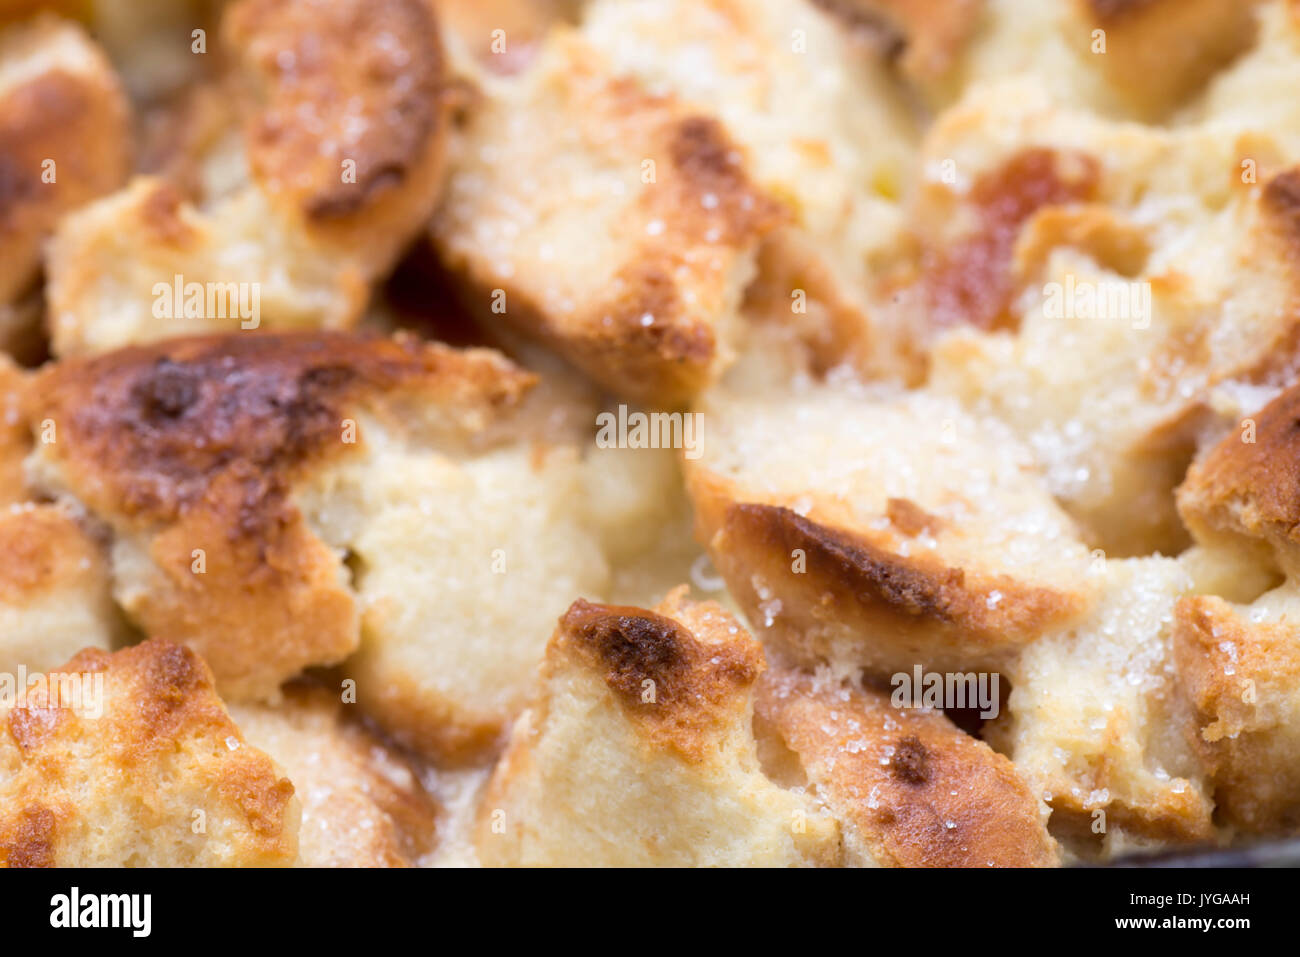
<point>362,802</point>
<point>594,773</point>
<point>1248,493</point>
<point>72,113</point>
<point>911,788</point>
<point>163,743</point>
<point>695,684</point>
<point>41,547</point>
<point>1159,52</point>
<point>190,449</point>
<point>932,611</point>
<point>643,319</point>
<point>1241,679</point>
<point>337,62</point>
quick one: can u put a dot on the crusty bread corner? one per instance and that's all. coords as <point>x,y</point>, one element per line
<point>881,532</point>
<point>55,590</point>
<point>113,266</point>
<point>362,802</point>
<point>1238,669</point>
<point>645,311</point>
<point>638,750</point>
<point>338,165</point>
<point>1095,722</point>
<point>159,777</point>
<point>65,137</point>
<point>1241,496</point>
<point>909,788</point>
<point>189,451</point>
<point>348,117</point>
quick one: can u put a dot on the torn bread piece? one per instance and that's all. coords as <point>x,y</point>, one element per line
<point>190,451</point>
<point>1115,323</point>
<point>638,750</point>
<point>823,128</point>
<point>881,530</point>
<point>646,310</point>
<point>337,164</point>
<point>1095,722</point>
<point>1238,668</point>
<point>1240,499</point>
<point>146,770</point>
<point>65,137</point>
<point>55,591</point>
<point>362,802</point>
<point>909,788</point>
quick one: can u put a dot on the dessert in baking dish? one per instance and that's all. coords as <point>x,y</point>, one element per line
<point>646,432</point>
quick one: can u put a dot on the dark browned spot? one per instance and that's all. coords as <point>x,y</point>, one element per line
<point>911,761</point>
<point>634,648</point>
<point>167,390</point>
<point>869,574</point>
<point>970,281</point>
<point>28,839</point>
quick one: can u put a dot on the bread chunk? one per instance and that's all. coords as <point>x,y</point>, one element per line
<point>190,451</point>
<point>1116,294</point>
<point>1241,497</point>
<point>64,137</point>
<point>55,590</point>
<point>362,802</point>
<point>908,787</point>
<point>882,532</point>
<point>645,310</point>
<point>1095,722</point>
<point>638,751</point>
<point>146,770</point>
<point>339,124</point>
<point>1238,668</point>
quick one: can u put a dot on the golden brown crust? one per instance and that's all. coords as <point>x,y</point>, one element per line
<point>1242,681</point>
<point>362,802</point>
<point>190,449</point>
<point>161,777</point>
<point>1159,52</point>
<point>1247,493</point>
<point>911,789</point>
<point>72,113</point>
<point>695,684</point>
<point>643,314</point>
<point>42,548</point>
<point>340,83</point>
<point>592,775</point>
<point>913,608</point>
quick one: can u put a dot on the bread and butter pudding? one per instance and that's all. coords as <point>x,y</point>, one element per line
<point>647,432</point>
